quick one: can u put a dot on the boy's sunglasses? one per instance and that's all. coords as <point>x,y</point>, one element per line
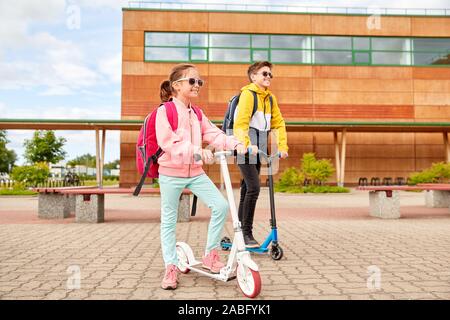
<point>267,74</point>
<point>192,81</point>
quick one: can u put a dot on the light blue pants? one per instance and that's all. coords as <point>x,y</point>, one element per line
<point>171,189</point>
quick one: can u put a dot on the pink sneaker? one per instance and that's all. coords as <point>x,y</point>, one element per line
<point>212,262</point>
<point>170,279</point>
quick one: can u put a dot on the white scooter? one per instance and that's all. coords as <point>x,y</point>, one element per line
<point>239,264</point>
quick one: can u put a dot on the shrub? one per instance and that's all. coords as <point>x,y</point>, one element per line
<point>438,172</point>
<point>291,177</point>
<point>31,175</point>
<point>316,170</point>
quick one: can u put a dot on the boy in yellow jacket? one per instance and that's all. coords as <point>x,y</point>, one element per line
<point>253,130</point>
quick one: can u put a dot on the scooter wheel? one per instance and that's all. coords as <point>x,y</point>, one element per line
<point>276,252</point>
<point>182,257</point>
<point>249,281</point>
<point>225,243</point>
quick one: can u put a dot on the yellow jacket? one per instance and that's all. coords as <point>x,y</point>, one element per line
<point>264,118</point>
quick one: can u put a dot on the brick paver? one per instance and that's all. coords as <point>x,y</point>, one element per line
<point>326,256</point>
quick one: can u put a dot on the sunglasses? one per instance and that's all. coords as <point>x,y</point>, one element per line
<point>266,74</point>
<point>192,81</point>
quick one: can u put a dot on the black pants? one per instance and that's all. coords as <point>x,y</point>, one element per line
<point>250,188</point>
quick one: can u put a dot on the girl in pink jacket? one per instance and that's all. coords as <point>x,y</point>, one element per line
<point>179,169</point>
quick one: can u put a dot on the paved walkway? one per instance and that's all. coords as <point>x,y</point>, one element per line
<point>333,250</point>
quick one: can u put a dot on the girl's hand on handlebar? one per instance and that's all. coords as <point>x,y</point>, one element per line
<point>207,156</point>
<point>283,154</point>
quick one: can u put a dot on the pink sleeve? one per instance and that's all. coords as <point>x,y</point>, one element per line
<point>216,137</point>
<point>168,140</point>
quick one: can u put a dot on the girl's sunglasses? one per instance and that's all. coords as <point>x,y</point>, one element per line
<point>267,74</point>
<point>192,81</point>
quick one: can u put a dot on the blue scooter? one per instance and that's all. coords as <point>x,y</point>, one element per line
<point>276,252</point>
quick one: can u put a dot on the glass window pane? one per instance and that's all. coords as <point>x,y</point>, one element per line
<point>296,42</point>
<point>361,43</point>
<point>290,56</point>
<point>341,43</point>
<point>442,45</point>
<point>260,55</point>
<point>167,54</point>
<point>260,41</point>
<point>229,55</point>
<point>333,57</point>
<point>397,58</point>
<point>396,44</point>
<point>199,54</point>
<point>362,57</point>
<point>166,39</point>
<point>199,40</point>
<point>431,58</point>
<point>229,40</point>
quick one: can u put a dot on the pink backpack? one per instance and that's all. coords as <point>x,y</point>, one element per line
<point>147,148</point>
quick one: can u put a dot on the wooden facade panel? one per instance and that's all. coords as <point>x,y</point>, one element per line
<point>434,113</point>
<point>429,138</point>
<point>425,163</point>
<point>361,25</point>
<point>432,98</point>
<point>259,23</point>
<point>385,164</point>
<point>430,150</point>
<point>133,53</point>
<point>370,72</point>
<point>133,38</point>
<point>363,98</point>
<point>165,20</point>
<point>430,27</point>
<point>129,137</point>
<point>363,85</point>
<point>369,151</point>
<point>431,73</point>
<point>142,82</point>
<point>438,86</point>
<point>377,138</point>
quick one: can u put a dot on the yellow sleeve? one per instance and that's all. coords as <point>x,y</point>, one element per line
<point>243,117</point>
<point>277,122</point>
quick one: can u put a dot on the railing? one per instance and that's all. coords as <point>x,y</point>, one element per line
<point>289,8</point>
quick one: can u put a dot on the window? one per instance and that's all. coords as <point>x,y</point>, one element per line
<point>391,58</point>
<point>166,39</point>
<point>167,54</point>
<point>286,42</point>
<point>333,57</point>
<point>333,43</point>
<point>229,40</point>
<point>229,55</point>
<point>295,49</point>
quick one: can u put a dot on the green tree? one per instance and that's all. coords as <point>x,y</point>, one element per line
<point>112,165</point>
<point>44,147</point>
<point>7,157</point>
<point>87,160</point>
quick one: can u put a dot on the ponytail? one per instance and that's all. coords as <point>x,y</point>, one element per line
<point>165,92</point>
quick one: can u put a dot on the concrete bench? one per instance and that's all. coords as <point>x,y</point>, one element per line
<point>90,203</point>
<point>54,204</point>
<point>384,201</point>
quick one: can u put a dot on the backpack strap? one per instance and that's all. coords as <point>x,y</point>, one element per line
<point>255,103</point>
<point>198,112</point>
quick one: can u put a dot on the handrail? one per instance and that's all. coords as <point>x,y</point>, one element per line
<point>292,8</point>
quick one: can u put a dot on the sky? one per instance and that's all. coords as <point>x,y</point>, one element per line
<point>61,59</point>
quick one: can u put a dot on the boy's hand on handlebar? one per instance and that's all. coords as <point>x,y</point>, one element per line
<point>253,150</point>
<point>240,149</point>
